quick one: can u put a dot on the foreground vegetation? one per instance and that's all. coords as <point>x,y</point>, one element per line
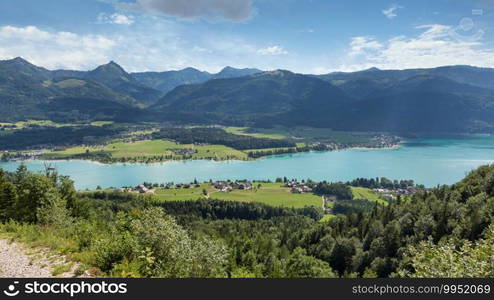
<point>444,232</point>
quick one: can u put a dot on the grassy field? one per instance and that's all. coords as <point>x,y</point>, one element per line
<point>101,123</point>
<point>153,148</point>
<point>274,194</point>
<point>25,124</point>
<point>367,194</point>
<point>326,218</point>
<point>258,133</point>
<point>193,193</point>
<point>305,134</point>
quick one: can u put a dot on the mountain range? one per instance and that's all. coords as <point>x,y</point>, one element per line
<point>167,81</point>
<point>443,99</point>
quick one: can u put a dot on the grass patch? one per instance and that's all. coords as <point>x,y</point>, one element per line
<point>306,134</point>
<point>274,194</point>
<point>153,148</point>
<point>326,218</point>
<point>193,193</point>
<point>367,194</point>
<point>257,133</point>
<point>62,268</point>
<point>101,123</point>
<point>47,123</point>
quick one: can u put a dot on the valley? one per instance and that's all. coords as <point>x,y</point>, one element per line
<point>253,171</point>
<point>233,139</point>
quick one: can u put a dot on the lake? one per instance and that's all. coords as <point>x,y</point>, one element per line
<point>428,161</point>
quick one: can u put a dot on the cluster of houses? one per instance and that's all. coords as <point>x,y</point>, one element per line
<point>140,189</point>
<point>143,189</point>
<point>393,193</point>
<point>183,186</point>
<point>298,187</point>
<point>20,156</point>
<point>225,186</point>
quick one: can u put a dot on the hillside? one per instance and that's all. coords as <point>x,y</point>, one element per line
<point>253,97</point>
<point>420,103</point>
<point>115,77</point>
<point>27,91</point>
<point>445,99</point>
<point>361,83</point>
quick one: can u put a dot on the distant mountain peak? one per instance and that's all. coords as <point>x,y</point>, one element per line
<point>373,69</point>
<point>228,68</point>
<point>23,66</point>
<point>233,69</point>
<point>113,65</point>
<point>279,73</point>
<point>230,72</point>
<point>110,70</point>
<point>191,70</point>
<point>19,61</point>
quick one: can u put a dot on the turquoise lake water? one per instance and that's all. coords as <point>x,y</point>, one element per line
<point>428,161</point>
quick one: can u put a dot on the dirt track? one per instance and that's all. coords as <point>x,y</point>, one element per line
<point>16,263</point>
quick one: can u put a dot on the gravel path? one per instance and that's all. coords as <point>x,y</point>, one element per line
<point>15,263</point>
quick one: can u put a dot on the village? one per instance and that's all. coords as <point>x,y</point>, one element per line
<point>394,193</point>
<point>221,186</point>
<point>298,187</point>
<point>21,156</point>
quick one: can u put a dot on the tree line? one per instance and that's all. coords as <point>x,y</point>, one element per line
<point>218,136</point>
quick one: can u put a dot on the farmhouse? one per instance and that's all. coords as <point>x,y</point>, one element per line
<point>298,188</point>
<point>142,189</point>
<point>242,185</point>
<point>223,186</point>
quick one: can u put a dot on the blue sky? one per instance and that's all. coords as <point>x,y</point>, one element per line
<point>306,36</point>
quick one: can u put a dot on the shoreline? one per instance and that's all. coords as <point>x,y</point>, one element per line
<point>394,147</point>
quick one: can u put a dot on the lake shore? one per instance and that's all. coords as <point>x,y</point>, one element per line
<point>429,162</point>
<point>154,160</point>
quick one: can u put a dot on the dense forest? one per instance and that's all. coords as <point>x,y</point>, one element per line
<point>444,232</point>
<point>39,137</point>
<point>381,183</point>
<point>218,136</point>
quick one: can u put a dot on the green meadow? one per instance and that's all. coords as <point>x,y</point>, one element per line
<point>182,194</point>
<point>273,194</point>
<point>367,194</point>
<point>152,148</point>
<point>257,133</point>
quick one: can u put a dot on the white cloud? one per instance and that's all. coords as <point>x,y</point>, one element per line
<point>116,18</point>
<point>436,45</point>
<point>390,12</point>
<point>143,51</point>
<point>363,44</point>
<point>273,50</point>
<point>54,50</point>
